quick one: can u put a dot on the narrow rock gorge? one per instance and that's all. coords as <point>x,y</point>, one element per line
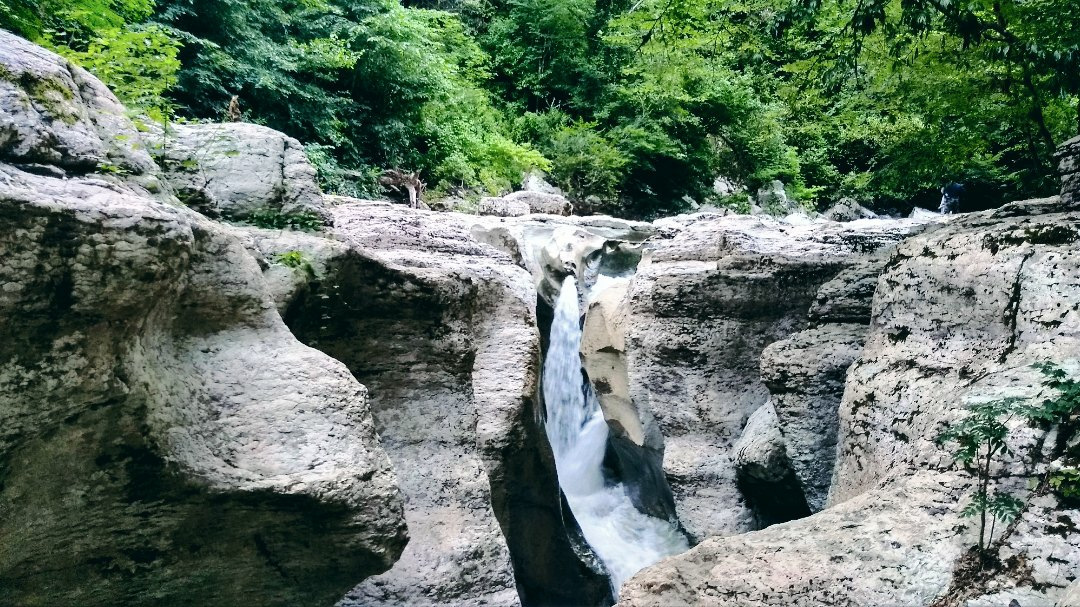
<point>377,405</point>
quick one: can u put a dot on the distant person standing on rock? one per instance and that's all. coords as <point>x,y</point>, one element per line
<point>950,198</point>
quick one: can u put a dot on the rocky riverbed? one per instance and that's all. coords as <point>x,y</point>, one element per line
<point>196,410</point>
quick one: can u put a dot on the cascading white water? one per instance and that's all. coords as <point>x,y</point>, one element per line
<point>624,538</point>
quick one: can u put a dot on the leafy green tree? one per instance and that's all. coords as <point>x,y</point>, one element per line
<point>979,438</point>
<point>138,64</point>
<point>1021,58</point>
<point>369,85</point>
<point>107,37</point>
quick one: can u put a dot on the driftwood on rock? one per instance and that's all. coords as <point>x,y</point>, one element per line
<point>401,184</point>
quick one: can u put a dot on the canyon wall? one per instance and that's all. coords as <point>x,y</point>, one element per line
<point>164,439</point>
<point>960,315</point>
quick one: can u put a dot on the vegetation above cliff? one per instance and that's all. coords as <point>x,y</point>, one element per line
<point>639,103</point>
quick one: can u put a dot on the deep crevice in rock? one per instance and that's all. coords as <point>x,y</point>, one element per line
<point>383,324</point>
<point>774,502</point>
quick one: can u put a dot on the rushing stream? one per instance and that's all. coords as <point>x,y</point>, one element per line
<point>624,538</point>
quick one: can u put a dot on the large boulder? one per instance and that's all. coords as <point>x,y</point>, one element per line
<point>760,452</point>
<point>237,170</point>
<point>167,440</point>
<point>548,203</point>
<point>536,181</point>
<point>805,377</point>
<point>442,330</point>
<point>848,209</point>
<point>961,314</point>
<point>501,207</point>
<point>58,120</point>
<point>773,199</point>
<point>805,374</point>
<point>603,356</point>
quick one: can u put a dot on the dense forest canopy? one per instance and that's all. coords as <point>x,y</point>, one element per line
<point>633,107</point>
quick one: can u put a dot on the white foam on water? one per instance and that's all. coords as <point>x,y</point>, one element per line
<point>624,538</point>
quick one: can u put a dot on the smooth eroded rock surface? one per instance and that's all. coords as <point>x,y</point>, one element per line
<point>164,438</point>
<point>960,315</point>
<point>235,169</point>
<point>703,306</point>
<point>442,330</point>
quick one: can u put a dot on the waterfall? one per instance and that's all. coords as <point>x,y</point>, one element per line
<point>624,538</point>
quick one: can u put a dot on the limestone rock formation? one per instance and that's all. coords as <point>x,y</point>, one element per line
<point>536,181</point>
<point>501,207</point>
<point>848,209</point>
<point>57,119</point>
<point>960,315</point>
<point>548,203</point>
<point>760,452</point>
<point>165,439</point>
<point>703,305</point>
<point>805,377</point>
<point>773,199</point>
<point>235,169</point>
<point>603,356</point>
<point>805,374</point>
<point>552,248</point>
<point>442,330</point>
<point>525,202</point>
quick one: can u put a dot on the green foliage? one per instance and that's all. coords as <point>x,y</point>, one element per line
<point>292,259</point>
<point>584,162</point>
<point>297,261</point>
<point>979,438</point>
<point>982,436</point>
<point>1002,506</point>
<point>70,22</point>
<point>139,64</point>
<point>1066,482</point>
<point>1067,401</point>
<point>137,61</point>
<point>1062,412</point>
<point>982,433</point>
<point>640,105</point>
<point>274,219</point>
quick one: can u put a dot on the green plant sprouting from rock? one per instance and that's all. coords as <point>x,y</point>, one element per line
<point>296,260</point>
<point>274,219</point>
<point>981,439</point>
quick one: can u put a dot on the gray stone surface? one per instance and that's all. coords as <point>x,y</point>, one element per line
<point>772,199</point>
<point>57,119</point>
<point>848,209</point>
<point>849,297</point>
<point>165,438</point>
<point>1071,596</point>
<point>805,377</point>
<point>960,315</point>
<point>1068,157</point>
<point>760,452</point>
<point>500,207</point>
<point>442,330</point>
<point>547,203</point>
<point>536,181</point>
<point>703,305</point>
<point>234,169</point>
